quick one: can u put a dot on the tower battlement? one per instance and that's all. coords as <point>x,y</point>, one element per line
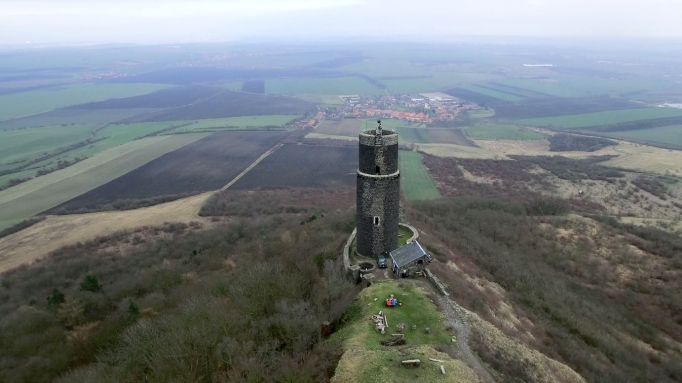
<point>378,192</point>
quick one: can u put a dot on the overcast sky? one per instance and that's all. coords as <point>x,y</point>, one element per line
<point>152,21</point>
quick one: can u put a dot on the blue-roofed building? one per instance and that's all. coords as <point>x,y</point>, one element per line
<point>409,258</point>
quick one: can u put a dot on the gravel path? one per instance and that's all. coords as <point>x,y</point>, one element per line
<point>456,318</point>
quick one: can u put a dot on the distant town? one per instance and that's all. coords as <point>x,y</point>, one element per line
<point>424,107</point>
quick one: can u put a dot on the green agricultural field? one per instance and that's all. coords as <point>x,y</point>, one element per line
<point>492,93</point>
<point>664,134</point>
<point>492,131</point>
<point>582,86</point>
<point>42,193</point>
<point>425,83</point>
<point>28,103</point>
<point>415,182</point>
<point>323,99</point>
<point>322,85</point>
<point>24,144</point>
<point>242,122</point>
<point>18,175</point>
<point>111,136</point>
<point>414,135</point>
<point>551,87</point>
<point>602,118</point>
<point>482,113</point>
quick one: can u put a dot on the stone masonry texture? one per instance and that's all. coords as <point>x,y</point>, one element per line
<point>378,194</point>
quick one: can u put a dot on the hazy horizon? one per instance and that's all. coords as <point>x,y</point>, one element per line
<point>155,21</point>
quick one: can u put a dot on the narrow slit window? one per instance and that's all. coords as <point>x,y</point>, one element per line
<point>376,221</point>
<point>378,170</point>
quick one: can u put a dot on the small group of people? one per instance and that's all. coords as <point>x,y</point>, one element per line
<point>391,301</point>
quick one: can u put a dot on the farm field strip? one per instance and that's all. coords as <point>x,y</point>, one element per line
<point>331,136</point>
<point>233,104</point>
<point>40,194</point>
<point>413,135</point>
<point>492,131</point>
<point>65,117</point>
<point>514,90</point>
<point>253,165</point>
<point>492,93</point>
<point>345,127</point>
<point>324,99</point>
<point>33,102</point>
<point>54,232</point>
<point>663,134</point>
<point>424,83</point>
<point>204,165</point>
<point>247,121</point>
<point>109,137</point>
<point>415,182</point>
<point>550,88</point>
<point>521,93</point>
<point>303,166</point>
<point>602,118</point>
<point>322,85</point>
<point>24,144</point>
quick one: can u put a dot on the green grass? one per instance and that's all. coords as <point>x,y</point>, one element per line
<point>492,131</point>
<point>27,103</point>
<point>415,309</point>
<point>415,182</point>
<point>663,134</point>
<point>37,195</point>
<point>403,235</point>
<point>368,361</point>
<point>492,93</point>
<point>602,118</point>
<point>24,144</point>
<point>322,85</point>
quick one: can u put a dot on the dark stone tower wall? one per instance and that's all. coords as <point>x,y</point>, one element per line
<point>378,193</point>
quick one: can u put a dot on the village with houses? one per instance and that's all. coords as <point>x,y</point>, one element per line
<point>422,108</point>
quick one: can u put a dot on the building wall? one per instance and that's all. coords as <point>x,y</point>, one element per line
<point>378,194</point>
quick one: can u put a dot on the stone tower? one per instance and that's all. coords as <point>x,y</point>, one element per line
<point>378,192</point>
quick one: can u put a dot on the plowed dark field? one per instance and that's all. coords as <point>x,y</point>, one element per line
<point>303,166</point>
<point>233,104</point>
<point>207,164</point>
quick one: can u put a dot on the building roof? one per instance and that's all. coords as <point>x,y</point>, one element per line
<point>407,254</point>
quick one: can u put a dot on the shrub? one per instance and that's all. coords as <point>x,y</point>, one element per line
<point>55,298</point>
<point>90,283</point>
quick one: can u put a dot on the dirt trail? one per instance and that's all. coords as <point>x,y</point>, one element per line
<point>253,165</point>
<point>456,318</point>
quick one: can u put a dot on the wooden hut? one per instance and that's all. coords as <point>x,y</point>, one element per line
<point>409,259</point>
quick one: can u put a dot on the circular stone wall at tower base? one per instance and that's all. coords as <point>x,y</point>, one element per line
<point>377,196</point>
